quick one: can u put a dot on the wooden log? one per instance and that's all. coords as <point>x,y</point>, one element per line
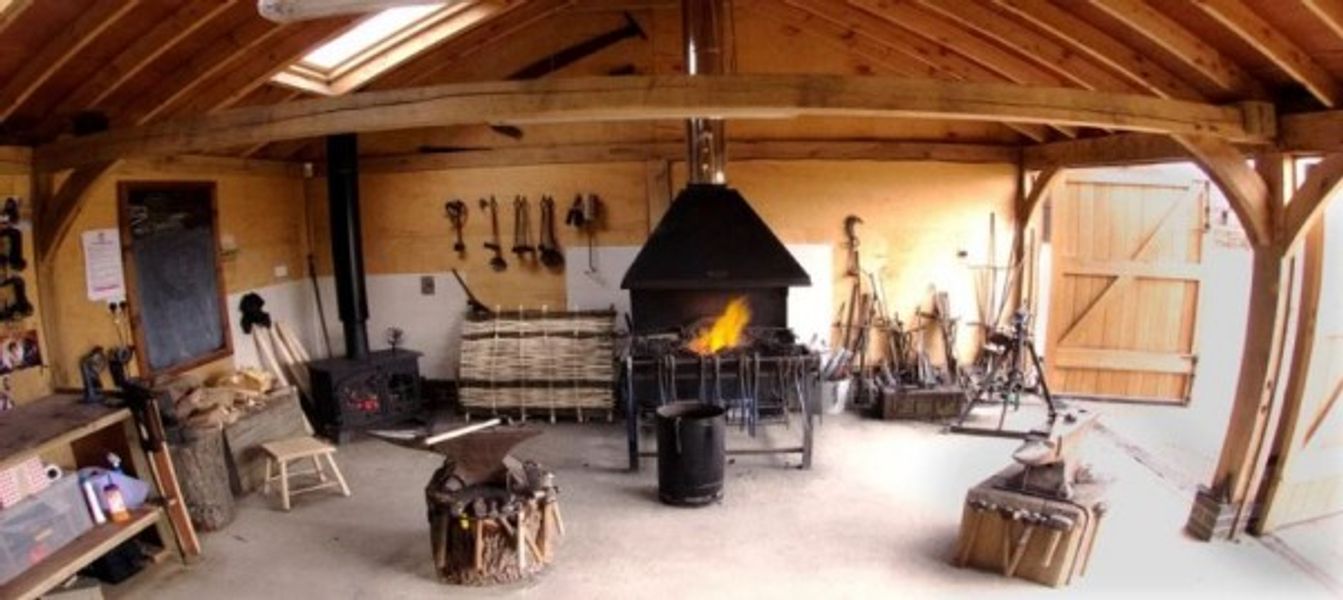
<point>487,551</point>
<point>279,419</point>
<point>202,468</point>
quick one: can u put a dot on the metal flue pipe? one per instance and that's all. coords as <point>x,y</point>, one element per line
<point>705,54</point>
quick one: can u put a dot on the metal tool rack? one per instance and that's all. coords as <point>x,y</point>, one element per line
<point>732,381</point>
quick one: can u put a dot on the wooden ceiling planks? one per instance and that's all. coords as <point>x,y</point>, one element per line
<point>430,66</point>
<point>264,61</point>
<point>162,37</point>
<point>890,46</point>
<point>1276,46</point>
<point>1178,42</point>
<point>951,35</point>
<point>40,66</point>
<point>231,49</point>
<point>1102,47</point>
<point>1066,63</point>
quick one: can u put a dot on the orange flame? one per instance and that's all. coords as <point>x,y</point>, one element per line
<point>726,329</point>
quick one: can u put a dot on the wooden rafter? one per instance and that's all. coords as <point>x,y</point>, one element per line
<point>229,49</point>
<point>597,99</point>
<point>507,21</point>
<point>147,48</point>
<point>46,61</point>
<point>1244,188</point>
<point>950,35</point>
<point>1182,45</point>
<point>1101,46</point>
<point>1065,62</point>
<point>263,63</point>
<point>1308,203</point>
<point>1275,46</point>
<point>1329,12</point>
<point>949,44</point>
<point>11,12</point>
<point>887,46</point>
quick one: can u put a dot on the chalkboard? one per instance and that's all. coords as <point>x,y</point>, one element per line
<point>170,243</point>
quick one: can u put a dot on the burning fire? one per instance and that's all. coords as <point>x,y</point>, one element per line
<point>726,331</point>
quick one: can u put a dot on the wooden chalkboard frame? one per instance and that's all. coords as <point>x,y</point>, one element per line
<point>124,191</point>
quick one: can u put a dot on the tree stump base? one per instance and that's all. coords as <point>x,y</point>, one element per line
<point>486,534</point>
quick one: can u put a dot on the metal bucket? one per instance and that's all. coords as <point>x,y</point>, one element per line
<point>691,453</point>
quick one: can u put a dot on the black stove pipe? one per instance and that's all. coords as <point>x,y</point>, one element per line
<point>347,247</point>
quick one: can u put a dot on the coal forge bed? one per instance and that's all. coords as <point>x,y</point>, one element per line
<point>769,380</point>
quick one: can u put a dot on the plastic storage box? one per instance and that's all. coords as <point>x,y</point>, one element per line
<point>40,525</point>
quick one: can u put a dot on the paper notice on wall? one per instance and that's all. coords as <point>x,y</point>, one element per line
<point>102,265</point>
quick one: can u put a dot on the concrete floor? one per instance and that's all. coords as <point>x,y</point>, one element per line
<point>876,516</point>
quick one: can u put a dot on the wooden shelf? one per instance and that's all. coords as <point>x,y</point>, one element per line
<point>67,561</point>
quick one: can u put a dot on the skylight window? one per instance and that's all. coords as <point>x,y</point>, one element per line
<point>366,35</point>
<point>379,43</point>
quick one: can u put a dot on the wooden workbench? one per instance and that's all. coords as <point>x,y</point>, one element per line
<point>56,421</point>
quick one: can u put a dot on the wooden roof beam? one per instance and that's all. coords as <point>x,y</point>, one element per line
<point>1065,62</point>
<point>46,61</point>
<point>1122,149</point>
<point>147,48</point>
<point>740,150</point>
<point>604,99</point>
<point>1216,69</point>
<point>1275,46</point>
<point>1087,38</point>
<point>1311,132</point>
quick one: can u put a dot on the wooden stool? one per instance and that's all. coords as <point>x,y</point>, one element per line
<point>282,452</point>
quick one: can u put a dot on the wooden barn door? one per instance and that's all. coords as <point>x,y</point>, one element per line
<point>1125,281</point>
<point>1305,478</point>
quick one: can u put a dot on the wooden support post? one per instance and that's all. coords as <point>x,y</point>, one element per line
<point>1220,510</point>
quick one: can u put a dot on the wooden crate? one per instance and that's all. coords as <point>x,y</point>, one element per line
<point>992,536</point>
<point>933,404</point>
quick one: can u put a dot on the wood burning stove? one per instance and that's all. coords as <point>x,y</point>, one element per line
<point>362,388</point>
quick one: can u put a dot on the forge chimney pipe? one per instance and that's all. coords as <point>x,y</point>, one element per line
<point>702,29</point>
<point>347,247</point>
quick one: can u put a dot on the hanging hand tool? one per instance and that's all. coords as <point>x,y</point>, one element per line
<point>851,224</point>
<point>548,246</point>
<point>585,215</point>
<point>522,229</point>
<point>476,307</point>
<point>497,263</point>
<point>456,211</point>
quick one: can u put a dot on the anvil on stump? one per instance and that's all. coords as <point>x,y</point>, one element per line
<point>492,518</point>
